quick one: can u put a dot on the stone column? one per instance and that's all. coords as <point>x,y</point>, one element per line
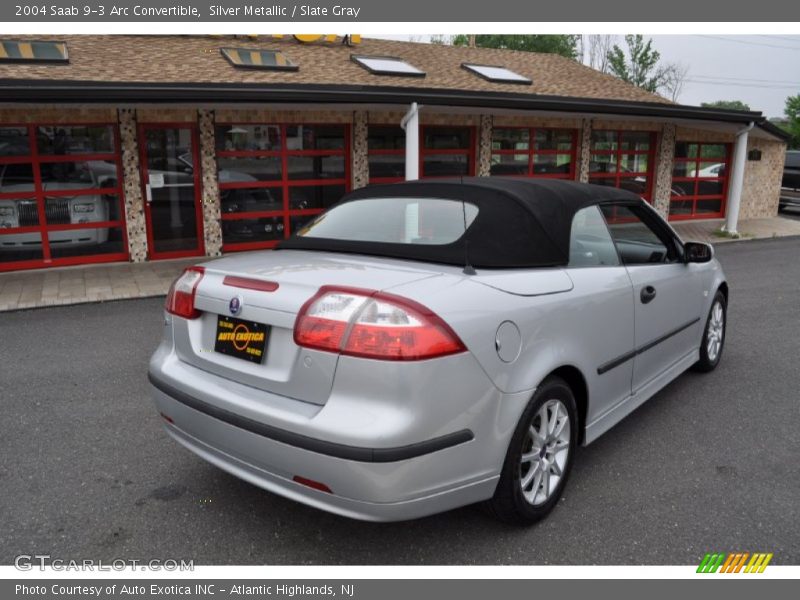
<point>665,155</point>
<point>484,167</point>
<point>359,164</point>
<point>212,223</point>
<point>135,224</point>
<point>584,151</point>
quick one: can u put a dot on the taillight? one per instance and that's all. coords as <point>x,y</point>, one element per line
<point>180,299</point>
<point>373,324</point>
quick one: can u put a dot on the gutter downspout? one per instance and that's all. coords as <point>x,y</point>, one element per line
<point>410,124</point>
<point>737,177</point>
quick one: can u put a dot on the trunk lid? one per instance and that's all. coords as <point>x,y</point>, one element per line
<point>286,369</point>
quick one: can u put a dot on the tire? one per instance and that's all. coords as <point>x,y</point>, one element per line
<point>521,504</point>
<point>711,353</point>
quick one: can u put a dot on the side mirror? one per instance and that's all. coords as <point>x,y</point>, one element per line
<point>698,252</point>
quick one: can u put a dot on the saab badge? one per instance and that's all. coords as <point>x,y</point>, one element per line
<point>235,305</point>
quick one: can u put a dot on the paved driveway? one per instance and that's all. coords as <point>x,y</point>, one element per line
<point>710,463</point>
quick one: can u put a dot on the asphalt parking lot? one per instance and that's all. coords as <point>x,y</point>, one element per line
<point>709,464</point>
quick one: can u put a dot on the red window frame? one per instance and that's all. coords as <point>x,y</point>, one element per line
<point>284,183</point>
<point>696,179</point>
<point>618,175</point>
<point>35,159</point>
<point>197,178</point>
<point>469,152</point>
<point>533,152</point>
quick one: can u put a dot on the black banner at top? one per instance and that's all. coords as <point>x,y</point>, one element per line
<point>364,11</point>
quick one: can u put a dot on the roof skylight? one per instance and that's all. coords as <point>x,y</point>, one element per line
<point>33,51</point>
<point>387,65</point>
<point>497,74</point>
<point>256,58</point>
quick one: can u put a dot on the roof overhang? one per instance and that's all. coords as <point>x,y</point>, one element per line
<point>83,92</point>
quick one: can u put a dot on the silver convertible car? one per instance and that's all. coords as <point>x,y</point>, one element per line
<point>427,345</point>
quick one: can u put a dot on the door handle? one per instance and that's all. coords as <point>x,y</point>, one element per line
<point>648,293</point>
<point>148,193</point>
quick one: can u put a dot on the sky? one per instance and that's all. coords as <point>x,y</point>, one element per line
<point>760,70</point>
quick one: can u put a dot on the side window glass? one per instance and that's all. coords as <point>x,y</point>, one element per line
<point>636,241</point>
<point>590,243</point>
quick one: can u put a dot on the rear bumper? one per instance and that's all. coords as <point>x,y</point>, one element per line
<point>272,475</point>
<point>357,453</point>
<point>375,474</point>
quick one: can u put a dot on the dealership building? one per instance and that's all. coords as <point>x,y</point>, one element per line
<point>135,148</point>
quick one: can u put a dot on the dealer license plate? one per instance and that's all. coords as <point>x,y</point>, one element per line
<point>243,339</point>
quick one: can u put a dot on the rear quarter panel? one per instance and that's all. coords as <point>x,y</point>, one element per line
<point>582,327</point>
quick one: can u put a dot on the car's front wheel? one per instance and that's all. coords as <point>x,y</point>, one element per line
<point>713,335</point>
<point>539,458</point>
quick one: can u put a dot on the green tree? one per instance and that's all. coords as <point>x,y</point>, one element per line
<point>440,39</point>
<point>792,112</point>
<point>565,45</point>
<point>639,65</point>
<point>727,104</point>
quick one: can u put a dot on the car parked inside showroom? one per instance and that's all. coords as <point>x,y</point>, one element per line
<point>428,345</point>
<point>62,208</point>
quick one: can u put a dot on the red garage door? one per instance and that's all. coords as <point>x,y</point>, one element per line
<point>533,152</point>
<point>445,151</point>
<point>275,177</point>
<point>623,159</point>
<point>699,180</point>
<point>60,195</point>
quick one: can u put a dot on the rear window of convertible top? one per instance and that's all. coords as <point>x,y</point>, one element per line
<point>422,221</point>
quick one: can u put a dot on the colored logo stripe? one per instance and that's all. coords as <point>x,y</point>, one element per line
<point>734,562</point>
<point>710,563</point>
<point>758,563</point>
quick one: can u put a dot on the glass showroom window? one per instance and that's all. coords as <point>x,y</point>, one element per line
<point>447,151</point>
<point>533,152</point>
<point>273,178</point>
<point>623,159</point>
<point>444,152</point>
<point>699,180</point>
<point>60,195</point>
<point>386,153</point>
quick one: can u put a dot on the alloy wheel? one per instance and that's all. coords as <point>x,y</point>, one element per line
<point>716,330</point>
<point>545,452</point>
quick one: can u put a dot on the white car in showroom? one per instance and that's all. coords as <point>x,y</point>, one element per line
<point>59,210</point>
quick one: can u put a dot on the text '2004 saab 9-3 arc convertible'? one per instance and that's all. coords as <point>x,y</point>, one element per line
<point>427,345</point>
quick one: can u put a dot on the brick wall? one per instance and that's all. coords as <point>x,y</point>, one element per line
<point>761,188</point>
<point>212,223</point>
<point>380,117</point>
<point>252,115</point>
<point>584,151</point>
<point>58,114</point>
<point>523,121</point>
<point>685,134</point>
<point>359,164</point>
<point>665,154</point>
<point>132,186</point>
<point>484,159</point>
<point>166,115</point>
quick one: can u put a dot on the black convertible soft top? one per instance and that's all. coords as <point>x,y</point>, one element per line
<point>520,222</point>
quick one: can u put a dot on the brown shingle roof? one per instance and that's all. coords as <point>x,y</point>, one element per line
<point>197,59</point>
